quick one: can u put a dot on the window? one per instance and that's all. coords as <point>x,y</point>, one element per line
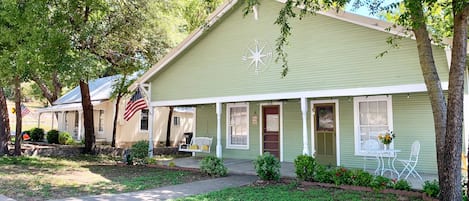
<point>176,121</point>
<point>101,121</point>
<point>144,120</point>
<point>237,129</point>
<point>372,115</point>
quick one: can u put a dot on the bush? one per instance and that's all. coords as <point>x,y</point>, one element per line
<point>381,182</point>
<point>53,136</point>
<point>37,134</point>
<point>402,184</point>
<point>431,188</point>
<point>324,175</point>
<point>305,167</point>
<point>65,138</point>
<point>359,177</point>
<point>267,167</point>
<point>213,166</point>
<point>342,176</point>
<point>139,151</point>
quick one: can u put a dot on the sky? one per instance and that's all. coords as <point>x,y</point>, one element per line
<point>364,10</point>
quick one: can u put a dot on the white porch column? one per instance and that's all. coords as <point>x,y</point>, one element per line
<point>304,112</point>
<point>62,125</point>
<point>219,147</point>
<point>150,131</point>
<point>53,117</point>
<point>80,124</point>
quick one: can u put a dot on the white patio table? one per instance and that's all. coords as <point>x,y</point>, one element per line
<point>386,160</point>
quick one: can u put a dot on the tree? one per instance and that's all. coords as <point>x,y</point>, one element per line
<point>4,124</point>
<point>416,16</point>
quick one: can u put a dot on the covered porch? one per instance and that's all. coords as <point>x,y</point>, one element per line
<point>245,166</point>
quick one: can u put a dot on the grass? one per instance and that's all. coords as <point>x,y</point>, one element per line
<point>291,193</point>
<point>42,178</point>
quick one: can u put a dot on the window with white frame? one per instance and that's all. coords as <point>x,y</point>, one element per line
<point>101,121</point>
<point>176,121</point>
<point>237,126</point>
<point>372,116</point>
<point>144,120</point>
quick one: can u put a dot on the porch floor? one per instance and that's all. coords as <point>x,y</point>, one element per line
<point>243,166</point>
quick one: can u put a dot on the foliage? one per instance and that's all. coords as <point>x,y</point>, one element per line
<point>431,188</point>
<point>305,167</point>
<point>359,177</point>
<point>37,134</point>
<point>381,182</point>
<point>53,136</point>
<point>324,174</point>
<point>139,151</point>
<point>341,176</point>
<point>267,167</point>
<point>401,184</point>
<point>65,138</point>
<point>172,164</point>
<point>213,166</point>
<point>387,137</point>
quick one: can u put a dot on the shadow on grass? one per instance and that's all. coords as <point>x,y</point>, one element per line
<point>30,161</point>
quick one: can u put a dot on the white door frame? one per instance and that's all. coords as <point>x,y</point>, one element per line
<point>337,129</point>
<point>261,147</point>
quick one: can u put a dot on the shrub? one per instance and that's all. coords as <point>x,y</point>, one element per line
<point>324,175</point>
<point>65,138</point>
<point>213,166</point>
<point>359,177</point>
<point>267,167</point>
<point>402,184</point>
<point>37,134</point>
<point>341,176</point>
<point>305,167</point>
<point>381,182</point>
<point>53,136</point>
<point>431,188</point>
<point>139,151</point>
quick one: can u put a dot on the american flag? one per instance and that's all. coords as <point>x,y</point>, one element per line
<point>24,110</point>
<point>135,104</point>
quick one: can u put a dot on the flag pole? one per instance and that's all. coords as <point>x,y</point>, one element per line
<point>150,121</point>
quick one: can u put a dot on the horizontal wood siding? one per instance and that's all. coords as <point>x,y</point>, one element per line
<point>292,130</point>
<point>324,53</point>
<point>412,119</point>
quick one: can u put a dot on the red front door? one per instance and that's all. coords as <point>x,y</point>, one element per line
<point>271,129</point>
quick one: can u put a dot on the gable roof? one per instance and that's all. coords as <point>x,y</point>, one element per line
<point>224,8</point>
<point>100,90</point>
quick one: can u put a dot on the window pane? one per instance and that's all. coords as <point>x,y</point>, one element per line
<point>238,125</point>
<point>373,119</point>
<point>144,120</point>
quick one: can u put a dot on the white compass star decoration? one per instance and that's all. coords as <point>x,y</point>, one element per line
<point>259,55</point>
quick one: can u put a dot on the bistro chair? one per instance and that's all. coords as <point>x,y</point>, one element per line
<point>371,147</point>
<point>409,164</point>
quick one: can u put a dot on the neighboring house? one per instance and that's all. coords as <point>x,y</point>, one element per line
<point>336,96</point>
<point>68,111</point>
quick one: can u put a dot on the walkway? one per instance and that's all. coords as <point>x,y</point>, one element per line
<point>176,191</point>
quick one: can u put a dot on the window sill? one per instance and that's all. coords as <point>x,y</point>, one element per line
<point>237,147</point>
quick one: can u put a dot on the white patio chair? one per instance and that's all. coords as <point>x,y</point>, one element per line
<point>409,165</point>
<point>370,147</point>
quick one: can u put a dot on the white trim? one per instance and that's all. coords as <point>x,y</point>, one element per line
<point>406,88</point>
<point>356,101</point>
<point>140,130</point>
<point>261,147</point>
<point>194,128</point>
<point>337,128</point>
<point>228,113</point>
<point>304,113</point>
<point>219,111</point>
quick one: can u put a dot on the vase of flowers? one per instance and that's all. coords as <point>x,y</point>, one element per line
<point>386,138</point>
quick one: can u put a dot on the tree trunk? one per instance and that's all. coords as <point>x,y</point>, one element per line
<point>450,186</point>
<point>18,137</point>
<point>4,124</point>
<point>168,130</point>
<point>88,117</point>
<point>114,123</point>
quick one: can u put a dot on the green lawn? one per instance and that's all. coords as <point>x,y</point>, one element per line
<point>291,193</point>
<point>41,178</point>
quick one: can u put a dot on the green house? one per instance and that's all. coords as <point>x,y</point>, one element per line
<point>336,96</point>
